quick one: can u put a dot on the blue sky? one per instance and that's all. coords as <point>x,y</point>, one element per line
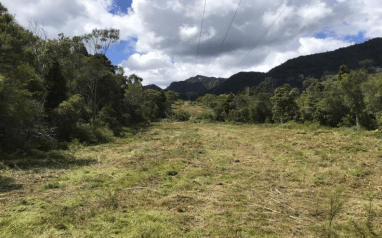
<point>123,5</point>
<point>124,49</point>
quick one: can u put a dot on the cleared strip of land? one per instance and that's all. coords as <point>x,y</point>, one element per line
<point>203,180</point>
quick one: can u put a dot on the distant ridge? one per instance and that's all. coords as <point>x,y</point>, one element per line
<point>292,71</point>
<point>196,86</point>
<point>309,66</point>
<point>152,86</point>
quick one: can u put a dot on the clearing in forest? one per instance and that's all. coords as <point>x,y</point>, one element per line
<point>184,179</point>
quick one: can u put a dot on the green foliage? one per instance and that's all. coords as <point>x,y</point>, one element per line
<point>158,102</point>
<point>67,115</point>
<point>93,135</point>
<point>372,91</point>
<point>20,116</point>
<point>284,104</point>
<point>205,116</point>
<point>56,86</point>
<point>239,115</point>
<point>172,96</point>
<point>181,115</point>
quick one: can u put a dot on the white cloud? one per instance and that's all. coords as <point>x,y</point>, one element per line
<point>168,31</point>
<point>310,45</point>
<point>149,61</point>
<point>187,33</point>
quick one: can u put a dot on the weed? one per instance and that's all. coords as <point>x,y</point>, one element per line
<point>335,204</point>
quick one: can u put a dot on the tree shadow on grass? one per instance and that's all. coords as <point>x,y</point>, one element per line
<point>8,184</point>
<point>47,160</point>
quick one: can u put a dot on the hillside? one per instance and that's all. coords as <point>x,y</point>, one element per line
<point>196,86</point>
<point>311,65</point>
<point>152,86</point>
<point>289,72</point>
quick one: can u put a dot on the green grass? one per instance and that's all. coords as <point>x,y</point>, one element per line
<point>183,179</point>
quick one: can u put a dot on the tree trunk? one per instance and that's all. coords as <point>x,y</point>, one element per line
<point>357,120</point>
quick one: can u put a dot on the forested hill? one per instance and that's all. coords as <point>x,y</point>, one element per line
<point>311,65</point>
<point>292,71</point>
<point>196,86</point>
<point>152,86</point>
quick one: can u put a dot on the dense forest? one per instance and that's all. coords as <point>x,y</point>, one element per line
<point>56,91</point>
<point>348,98</point>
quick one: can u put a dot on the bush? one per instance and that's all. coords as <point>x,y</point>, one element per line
<point>181,116</point>
<point>205,116</point>
<point>103,134</point>
<point>93,135</point>
<point>241,115</point>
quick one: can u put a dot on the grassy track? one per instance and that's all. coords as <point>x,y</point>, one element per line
<point>203,180</point>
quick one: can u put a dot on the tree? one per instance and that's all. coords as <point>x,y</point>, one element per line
<point>99,41</point>
<point>56,86</point>
<point>343,71</point>
<point>367,64</point>
<point>98,65</point>
<point>372,91</point>
<point>354,99</point>
<point>172,96</point>
<point>284,104</point>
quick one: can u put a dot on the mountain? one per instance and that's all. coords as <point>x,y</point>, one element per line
<point>308,66</point>
<point>292,71</point>
<point>196,86</point>
<point>152,86</point>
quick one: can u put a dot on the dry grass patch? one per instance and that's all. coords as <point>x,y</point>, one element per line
<point>210,180</point>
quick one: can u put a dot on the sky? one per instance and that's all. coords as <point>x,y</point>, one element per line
<point>159,39</point>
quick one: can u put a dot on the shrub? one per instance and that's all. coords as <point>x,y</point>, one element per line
<point>103,134</point>
<point>241,115</point>
<point>205,116</point>
<point>181,115</point>
<point>92,135</point>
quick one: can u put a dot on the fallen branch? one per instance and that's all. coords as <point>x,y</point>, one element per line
<point>267,208</point>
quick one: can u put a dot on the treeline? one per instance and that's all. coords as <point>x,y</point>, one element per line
<point>348,98</point>
<point>54,91</point>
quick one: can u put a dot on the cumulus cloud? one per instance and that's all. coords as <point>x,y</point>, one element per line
<point>167,32</point>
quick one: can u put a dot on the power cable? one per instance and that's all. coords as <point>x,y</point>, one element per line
<point>264,33</point>
<point>258,40</point>
<point>200,35</point>
<point>226,34</point>
<point>225,37</point>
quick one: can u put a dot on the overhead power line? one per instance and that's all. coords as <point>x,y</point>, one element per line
<point>221,45</point>
<point>200,35</point>
<point>258,41</point>
<point>264,34</point>
<point>225,37</point>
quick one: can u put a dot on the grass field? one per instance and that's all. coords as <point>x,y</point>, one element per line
<point>184,179</point>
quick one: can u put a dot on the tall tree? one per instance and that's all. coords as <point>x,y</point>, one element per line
<point>354,99</point>
<point>56,86</point>
<point>284,103</point>
<point>99,41</point>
